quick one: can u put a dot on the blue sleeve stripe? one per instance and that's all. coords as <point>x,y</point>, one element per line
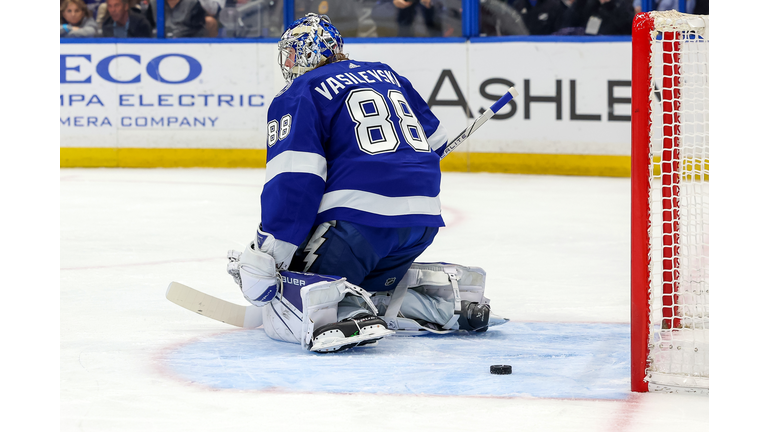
<point>297,162</point>
<point>379,204</point>
<point>438,138</point>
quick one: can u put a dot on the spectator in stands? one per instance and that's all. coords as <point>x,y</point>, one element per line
<point>663,5</point>
<point>183,18</point>
<point>93,6</point>
<point>75,20</point>
<point>701,8</point>
<point>600,17</point>
<point>406,15</point>
<point>541,17</point>
<point>123,22</point>
<point>101,13</point>
<point>352,18</point>
<point>498,18</point>
<point>212,9</point>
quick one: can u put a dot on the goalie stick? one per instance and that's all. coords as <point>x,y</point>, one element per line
<point>221,310</point>
<point>503,100</point>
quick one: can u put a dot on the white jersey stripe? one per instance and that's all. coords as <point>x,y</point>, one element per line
<point>438,138</point>
<point>380,204</point>
<point>297,162</point>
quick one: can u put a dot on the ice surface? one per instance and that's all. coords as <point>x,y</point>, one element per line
<point>556,250</point>
<point>557,360</point>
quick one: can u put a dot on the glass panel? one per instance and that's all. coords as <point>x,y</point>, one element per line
<point>247,18</point>
<point>183,18</point>
<point>556,17</point>
<point>388,18</point>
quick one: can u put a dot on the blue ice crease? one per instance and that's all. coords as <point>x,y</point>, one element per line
<point>549,360</point>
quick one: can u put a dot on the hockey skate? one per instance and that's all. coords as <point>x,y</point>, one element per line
<point>477,318</point>
<point>349,333</point>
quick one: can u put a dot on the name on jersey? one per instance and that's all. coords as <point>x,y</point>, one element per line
<point>331,86</point>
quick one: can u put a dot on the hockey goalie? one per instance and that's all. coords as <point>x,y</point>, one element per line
<point>350,200</point>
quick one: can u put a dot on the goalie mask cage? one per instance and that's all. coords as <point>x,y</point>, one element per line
<point>670,203</point>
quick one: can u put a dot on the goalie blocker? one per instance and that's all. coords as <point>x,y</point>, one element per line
<point>327,313</point>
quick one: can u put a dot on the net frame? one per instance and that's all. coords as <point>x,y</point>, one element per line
<point>670,203</point>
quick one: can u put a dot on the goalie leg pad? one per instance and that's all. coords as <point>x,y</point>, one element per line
<point>309,301</point>
<point>321,307</point>
<point>282,320</point>
<point>455,297</point>
<point>433,309</point>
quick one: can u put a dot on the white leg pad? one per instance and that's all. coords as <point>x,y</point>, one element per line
<point>314,303</point>
<point>321,304</point>
<point>282,321</point>
<point>434,280</point>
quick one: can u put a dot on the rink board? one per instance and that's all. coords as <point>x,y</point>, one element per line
<point>164,104</point>
<point>549,360</point>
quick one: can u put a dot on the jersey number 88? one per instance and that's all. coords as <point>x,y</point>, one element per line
<point>374,129</point>
<point>277,130</point>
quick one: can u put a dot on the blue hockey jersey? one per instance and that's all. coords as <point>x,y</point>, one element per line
<point>351,141</point>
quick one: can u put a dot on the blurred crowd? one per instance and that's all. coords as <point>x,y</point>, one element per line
<point>136,18</point>
<point>355,18</point>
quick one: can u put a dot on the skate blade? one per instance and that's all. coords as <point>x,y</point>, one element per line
<point>495,320</point>
<point>336,343</point>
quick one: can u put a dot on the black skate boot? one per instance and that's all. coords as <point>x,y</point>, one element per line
<point>349,333</point>
<point>474,316</point>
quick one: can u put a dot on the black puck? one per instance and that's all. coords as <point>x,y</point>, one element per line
<point>501,369</point>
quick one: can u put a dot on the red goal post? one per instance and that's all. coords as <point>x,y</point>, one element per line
<point>670,203</point>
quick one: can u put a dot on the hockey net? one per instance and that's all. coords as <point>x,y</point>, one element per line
<point>670,203</point>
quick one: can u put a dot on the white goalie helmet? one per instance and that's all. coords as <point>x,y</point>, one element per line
<point>307,43</point>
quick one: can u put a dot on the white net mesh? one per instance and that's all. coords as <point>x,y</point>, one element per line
<point>679,204</point>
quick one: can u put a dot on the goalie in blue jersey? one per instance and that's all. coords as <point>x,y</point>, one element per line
<point>350,200</point>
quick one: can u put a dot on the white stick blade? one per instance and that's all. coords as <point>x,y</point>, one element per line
<point>211,307</point>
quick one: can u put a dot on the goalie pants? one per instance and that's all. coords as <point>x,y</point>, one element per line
<point>373,258</point>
